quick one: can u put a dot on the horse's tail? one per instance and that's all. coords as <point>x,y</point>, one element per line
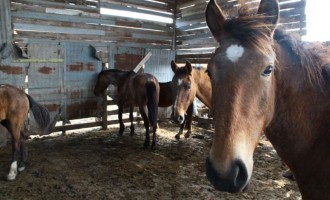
<point>40,113</point>
<point>152,103</point>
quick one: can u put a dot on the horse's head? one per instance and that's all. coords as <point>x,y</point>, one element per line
<point>241,72</point>
<point>104,78</point>
<point>184,90</point>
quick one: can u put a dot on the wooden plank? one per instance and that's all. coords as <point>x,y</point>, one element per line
<point>194,10</point>
<point>143,61</point>
<point>134,9</point>
<point>105,20</point>
<point>198,41</point>
<point>88,125</point>
<point>190,20</point>
<point>161,7</point>
<point>289,26</point>
<point>118,31</point>
<point>292,18</point>
<point>44,3</point>
<point>294,5</point>
<point>22,41</point>
<point>193,60</point>
<point>96,38</point>
<point>185,4</point>
<point>197,46</point>
<point>34,60</point>
<point>57,29</point>
<point>194,52</point>
<point>194,36</point>
<point>191,56</point>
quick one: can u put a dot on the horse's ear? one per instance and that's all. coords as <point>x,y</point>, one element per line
<point>215,19</point>
<point>188,67</point>
<point>270,10</point>
<point>174,66</point>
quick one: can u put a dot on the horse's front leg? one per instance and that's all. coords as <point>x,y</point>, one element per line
<point>131,118</point>
<point>146,126</point>
<point>177,136</point>
<point>15,149</point>
<point>188,120</point>
<point>120,118</point>
<point>24,152</point>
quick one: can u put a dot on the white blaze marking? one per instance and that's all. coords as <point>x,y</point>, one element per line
<point>234,52</point>
<point>179,82</point>
<point>176,98</point>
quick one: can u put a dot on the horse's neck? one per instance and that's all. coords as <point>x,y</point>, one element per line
<point>203,83</point>
<point>300,119</point>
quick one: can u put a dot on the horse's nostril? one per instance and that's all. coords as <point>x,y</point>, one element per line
<point>235,180</point>
<point>241,173</point>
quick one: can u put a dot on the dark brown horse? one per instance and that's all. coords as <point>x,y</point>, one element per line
<point>166,99</point>
<point>133,90</point>
<point>14,107</point>
<point>189,82</point>
<point>264,79</point>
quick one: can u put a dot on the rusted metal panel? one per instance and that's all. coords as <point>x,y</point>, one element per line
<point>81,71</point>
<point>45,78</point>
<point>159,64</point>
<point>125,58</point>
<point>12,73</point>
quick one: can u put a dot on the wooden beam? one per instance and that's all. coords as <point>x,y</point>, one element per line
<point>143,61</point>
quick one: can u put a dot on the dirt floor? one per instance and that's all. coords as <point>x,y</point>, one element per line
<point>101,165</point>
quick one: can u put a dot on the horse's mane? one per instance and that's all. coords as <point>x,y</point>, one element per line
<point>252,32</point>
<point>306,55</point>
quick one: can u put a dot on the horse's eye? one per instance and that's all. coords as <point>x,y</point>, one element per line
<point>268,70</point>
<point>187,86</point>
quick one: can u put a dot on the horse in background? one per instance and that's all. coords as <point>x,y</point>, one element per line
<point>167,98</point>
<point>265,80</point>
<point>14,107</point>
<point>133,90</point>
<point>189,82</point>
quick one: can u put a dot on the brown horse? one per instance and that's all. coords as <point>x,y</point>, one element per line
<point>167,98</point>
<point>189,82</point>
<point>14,107</point>
<point>133,90</point>
<point>264,79</point>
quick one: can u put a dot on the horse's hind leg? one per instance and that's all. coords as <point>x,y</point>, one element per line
<point>24,152</point>
<point>15,149</point>
<point>154,130</point>
<point>146,126</point>
<point>131,119</point>
<point>120,118</point>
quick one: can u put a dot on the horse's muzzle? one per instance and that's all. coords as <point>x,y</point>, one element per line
<point>236,180</point>
<point>178,119</point>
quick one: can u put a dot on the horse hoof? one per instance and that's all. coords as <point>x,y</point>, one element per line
<point>11,177</point>
<point>187,135</point>
<point>177,137</point>
<point>20,169</point>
